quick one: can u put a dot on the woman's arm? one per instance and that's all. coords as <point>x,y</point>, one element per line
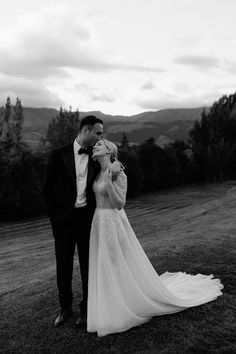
<point>116,168</point>
<point>116,189</point>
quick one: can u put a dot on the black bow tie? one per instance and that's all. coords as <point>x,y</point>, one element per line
<point>84,151</point>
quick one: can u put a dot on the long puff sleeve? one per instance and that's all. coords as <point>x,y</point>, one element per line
<point>117,191</point>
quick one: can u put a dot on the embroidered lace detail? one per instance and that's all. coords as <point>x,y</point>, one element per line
<point>102,197</point>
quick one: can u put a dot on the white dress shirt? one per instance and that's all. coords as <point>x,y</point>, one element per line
<point>81,168</point>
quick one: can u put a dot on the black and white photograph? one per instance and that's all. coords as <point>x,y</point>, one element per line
<point>118,177</point>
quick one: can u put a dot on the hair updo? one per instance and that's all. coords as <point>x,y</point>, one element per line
<point>112,148</point>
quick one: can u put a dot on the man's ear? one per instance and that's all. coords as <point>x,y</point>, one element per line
<point>85,129</point>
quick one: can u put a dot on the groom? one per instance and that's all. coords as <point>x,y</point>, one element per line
<point>70,204</point>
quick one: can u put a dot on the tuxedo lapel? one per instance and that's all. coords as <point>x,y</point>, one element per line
<point>92,171</point>
<point>69,160</point>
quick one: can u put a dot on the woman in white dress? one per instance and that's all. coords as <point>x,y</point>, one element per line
<point>124,289</point>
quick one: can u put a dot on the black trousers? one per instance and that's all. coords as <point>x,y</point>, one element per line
<point>68,235</point>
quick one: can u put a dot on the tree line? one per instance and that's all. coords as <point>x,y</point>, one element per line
<point>209,154</point>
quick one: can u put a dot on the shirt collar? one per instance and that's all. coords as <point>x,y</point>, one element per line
<point>77,146</point>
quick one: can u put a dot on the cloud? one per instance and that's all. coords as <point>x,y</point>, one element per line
<point>43,55</point>
<point>141,68</point>
<point>200,62</point>
<point>47,43</point>
<point>230,67</point>
<point>103,97</point>
<point>167,100</point>
<point>182,87</point>
<point>92,92</point>
<point>32,94</point>
<point>207,63</point>
<point>148,86</point>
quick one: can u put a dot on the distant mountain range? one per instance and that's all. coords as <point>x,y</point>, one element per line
<point>174,124</point>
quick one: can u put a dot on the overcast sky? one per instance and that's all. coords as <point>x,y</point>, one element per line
<point>117,56</point>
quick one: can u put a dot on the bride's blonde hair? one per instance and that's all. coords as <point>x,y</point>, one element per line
<point>112,148</point>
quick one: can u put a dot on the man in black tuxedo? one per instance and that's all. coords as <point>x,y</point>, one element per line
<point>70,204</point>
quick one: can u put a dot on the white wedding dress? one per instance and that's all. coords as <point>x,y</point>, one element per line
<point>124,289</point>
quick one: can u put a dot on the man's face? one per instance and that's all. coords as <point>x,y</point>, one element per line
<point>93,135</point>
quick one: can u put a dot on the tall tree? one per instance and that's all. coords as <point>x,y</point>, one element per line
<point>155,165</point>
<point>12,120</point>
<point>18,121</point>
<point>213,139</point>
<point>62,129</point>
<point>7,132</point>
<point>124,142</point>
<point>1,122</point>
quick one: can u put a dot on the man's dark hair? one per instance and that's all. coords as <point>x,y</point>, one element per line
<point>89,121</point>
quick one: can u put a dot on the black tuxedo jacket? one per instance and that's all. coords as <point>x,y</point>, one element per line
<point>60,185</point>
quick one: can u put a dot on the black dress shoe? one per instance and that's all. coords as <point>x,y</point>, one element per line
<point>81,321</point>
<point>62,317</point>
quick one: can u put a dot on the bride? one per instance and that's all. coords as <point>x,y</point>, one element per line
<point>124,289</point>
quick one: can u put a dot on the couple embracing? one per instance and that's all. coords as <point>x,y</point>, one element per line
<point>85,192</point>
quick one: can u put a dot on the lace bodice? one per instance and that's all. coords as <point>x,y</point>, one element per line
<point>102,197</point>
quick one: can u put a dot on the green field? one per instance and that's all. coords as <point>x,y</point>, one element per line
<point>189,229</point>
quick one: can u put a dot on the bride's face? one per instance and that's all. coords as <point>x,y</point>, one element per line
<point>100,149</point>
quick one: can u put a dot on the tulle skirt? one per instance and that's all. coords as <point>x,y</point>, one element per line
<point>124,289</point>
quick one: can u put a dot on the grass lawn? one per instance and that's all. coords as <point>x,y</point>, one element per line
<point>189,229</point>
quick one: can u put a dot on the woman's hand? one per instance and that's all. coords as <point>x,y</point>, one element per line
<point>107,177</point>
<point>116,168</point>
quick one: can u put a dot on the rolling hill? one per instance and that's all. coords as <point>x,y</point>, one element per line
<point>173,123</point>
